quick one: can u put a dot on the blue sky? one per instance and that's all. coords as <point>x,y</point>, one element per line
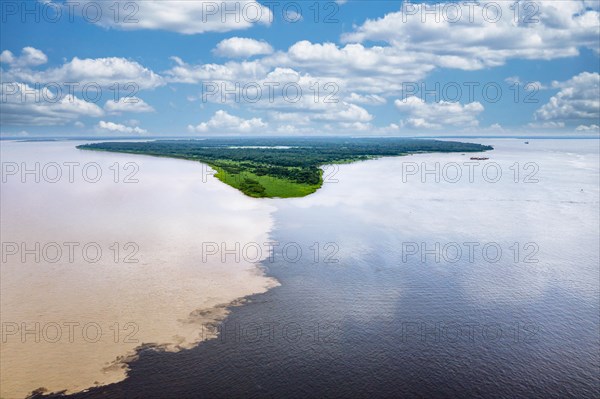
<point>160,67</point>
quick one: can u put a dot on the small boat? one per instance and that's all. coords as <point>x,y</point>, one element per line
<point>527,142</point>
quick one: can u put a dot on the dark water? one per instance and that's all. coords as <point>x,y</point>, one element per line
<point>374,354</point>
<point>377,325</point>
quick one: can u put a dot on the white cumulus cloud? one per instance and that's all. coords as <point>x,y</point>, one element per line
<point>242,47</point>
<point>577,100</point>
<point>105,72</point>
<point>29,57</point>
<point>438,115</point>
<point>26,105</point>
<point>590,128</point>
<point>119,128</point>
<point>371,99</point>
<point>127,104</point>
<point>223,122</point>
<point>182,16</point>
<point>469,37</point>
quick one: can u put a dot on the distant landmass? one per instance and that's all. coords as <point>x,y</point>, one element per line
<point>281,167</point>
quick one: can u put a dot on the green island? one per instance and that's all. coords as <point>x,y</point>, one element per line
<point>281,167</point>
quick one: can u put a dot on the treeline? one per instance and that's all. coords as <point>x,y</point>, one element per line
<point>296,160</point>
<point>302,152</point>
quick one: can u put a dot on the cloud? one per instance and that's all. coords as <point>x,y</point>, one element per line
<point>241,47</point>
<point>127,104</point>
<point>222,122</point>
<point>438,115</point>
<point>26,105</point>
<point>49,97</point>
<point>104,72</point>
<point>354,67</point>
<point>357,126</point>
<point>408,50</point>
<point>496,127</point>
<point>590,128</point>
<point>528,86</point>
<point>469,37</point>
<point>340,112</point>
<point>118,128</point>
<point>29,57</point>
<point>413,49</point>
<point>577,100</point>
<point>546,125</point>
<point>182,16</point>
<point>345,112</point>
<point>374,69</point>
<point>292,16</point>
<point>371,99</point>
<point>367,69</point>
<point>240,72</point>
<point>282,90</point>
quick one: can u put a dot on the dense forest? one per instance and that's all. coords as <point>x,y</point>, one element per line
<point>278,166</point>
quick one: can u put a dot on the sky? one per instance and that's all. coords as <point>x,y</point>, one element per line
<point>246,67</point>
